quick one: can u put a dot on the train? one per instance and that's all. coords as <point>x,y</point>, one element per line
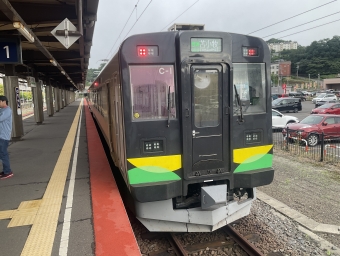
<point>186,116</point>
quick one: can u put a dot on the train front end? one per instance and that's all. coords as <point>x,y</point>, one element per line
<point>197,120</point>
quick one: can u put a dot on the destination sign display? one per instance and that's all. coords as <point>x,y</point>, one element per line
<point>206,45</point>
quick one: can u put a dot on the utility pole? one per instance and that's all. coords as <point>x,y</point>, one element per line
<point>318,81</point>
<point>297,70</point>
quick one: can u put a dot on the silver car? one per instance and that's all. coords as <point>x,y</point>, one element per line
<point>324,97</point>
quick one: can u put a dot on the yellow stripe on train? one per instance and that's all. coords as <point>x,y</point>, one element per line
<point>171,163</point>
<point>242,154</point>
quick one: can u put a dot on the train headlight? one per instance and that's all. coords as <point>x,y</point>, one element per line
<point>253,137</point>
<point>147,51</point>
<point>250,51</point>
<point>153,146</point>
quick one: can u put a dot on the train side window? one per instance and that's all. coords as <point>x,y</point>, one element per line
<point>250,83</point>
<point>152,92</point>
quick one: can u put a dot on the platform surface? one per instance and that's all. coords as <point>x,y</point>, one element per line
<point>46,207</point>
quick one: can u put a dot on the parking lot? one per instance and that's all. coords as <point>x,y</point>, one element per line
<point>307,107</point>
<point>329,151</point>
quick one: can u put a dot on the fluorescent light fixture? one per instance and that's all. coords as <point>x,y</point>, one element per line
<point>63,72</point>
<point>23,31</point>
<point>53,62</point>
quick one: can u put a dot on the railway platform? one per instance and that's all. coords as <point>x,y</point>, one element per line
<point>62,199</point>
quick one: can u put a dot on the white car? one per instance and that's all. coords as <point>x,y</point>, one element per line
<point>324,97</point>
<point>280,120</point>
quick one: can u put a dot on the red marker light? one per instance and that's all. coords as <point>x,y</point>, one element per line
<point>147,51</point>
<point>95,83</point>
<point>250,51</point>
<point>142,52</point>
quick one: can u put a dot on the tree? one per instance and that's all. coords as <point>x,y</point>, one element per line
<point>1,89</point>
<point>26,95</point>
<point>92,73</point>
<point>320,57</point>
<point>275,41</point>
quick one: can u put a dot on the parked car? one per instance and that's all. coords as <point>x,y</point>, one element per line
<point>322,102</point>
<point>305,93</point>
<point>311,94</point>
<point>312,127</point>
<point>280,120</point>
<point>279,95</point>
<point>275,96</point>
<point>324,96</point>
<point>328,108</point>
<point>297,95</point>
<point>287,104</point>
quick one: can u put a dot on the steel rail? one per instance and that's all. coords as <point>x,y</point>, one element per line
<point>242,242</point>
<point>176,244</point>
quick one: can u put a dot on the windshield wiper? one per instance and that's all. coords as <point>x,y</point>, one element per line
<point>169,107</point>
<point>241,120</point>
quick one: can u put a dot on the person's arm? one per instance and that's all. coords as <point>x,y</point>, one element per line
<point>4,114</point>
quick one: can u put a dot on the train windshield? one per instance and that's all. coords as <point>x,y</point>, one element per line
<point>250,83</point>
<point>152,92</point>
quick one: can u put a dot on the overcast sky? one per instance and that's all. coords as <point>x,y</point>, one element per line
<point>237,16</point>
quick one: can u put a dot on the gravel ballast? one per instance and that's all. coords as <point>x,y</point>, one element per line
<point>310,187</point>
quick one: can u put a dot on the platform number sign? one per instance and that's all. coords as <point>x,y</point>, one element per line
<point>10,51</point>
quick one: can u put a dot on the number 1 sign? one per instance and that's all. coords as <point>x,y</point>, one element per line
<point>10,51</point>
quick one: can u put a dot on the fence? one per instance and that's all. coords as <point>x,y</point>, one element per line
<point>326,149</point>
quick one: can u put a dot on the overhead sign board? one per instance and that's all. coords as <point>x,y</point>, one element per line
<point>66,40</point>
<point>10,51</point>
<point>31,82</point>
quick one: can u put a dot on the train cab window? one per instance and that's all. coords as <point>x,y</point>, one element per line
<point>250,83</point>
<point>152,92</point>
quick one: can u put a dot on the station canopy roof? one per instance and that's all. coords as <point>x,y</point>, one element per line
<point>45,55</point>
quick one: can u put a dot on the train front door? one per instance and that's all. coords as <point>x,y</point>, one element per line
<point>206,119</point>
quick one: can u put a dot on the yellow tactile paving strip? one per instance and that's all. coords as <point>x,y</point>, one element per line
<point>6,214</point>
<point>25,214</point>
<point>43,214</point>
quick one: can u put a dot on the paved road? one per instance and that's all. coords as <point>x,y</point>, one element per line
<point>307,107</point>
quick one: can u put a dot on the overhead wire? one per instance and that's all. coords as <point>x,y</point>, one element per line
<point>292,17</point>
<point>300,25</point>
<point>122,29</point>
<point>179,15</point>
<point>137,19</point>
<point>310,28</point>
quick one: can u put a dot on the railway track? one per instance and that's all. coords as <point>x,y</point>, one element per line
<point>179,249</point>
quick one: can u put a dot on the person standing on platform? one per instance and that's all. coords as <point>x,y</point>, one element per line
<point>5,136</point>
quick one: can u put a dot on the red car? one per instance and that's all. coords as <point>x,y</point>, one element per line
<point>328,108</point>
<point>311,128</point>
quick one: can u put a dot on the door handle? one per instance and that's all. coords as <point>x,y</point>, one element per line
<point>194,133</point>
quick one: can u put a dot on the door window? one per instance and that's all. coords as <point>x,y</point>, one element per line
<point>330,120</point>
<point>153,92</point>
<point>206,98</point>
<point>275,113</point>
